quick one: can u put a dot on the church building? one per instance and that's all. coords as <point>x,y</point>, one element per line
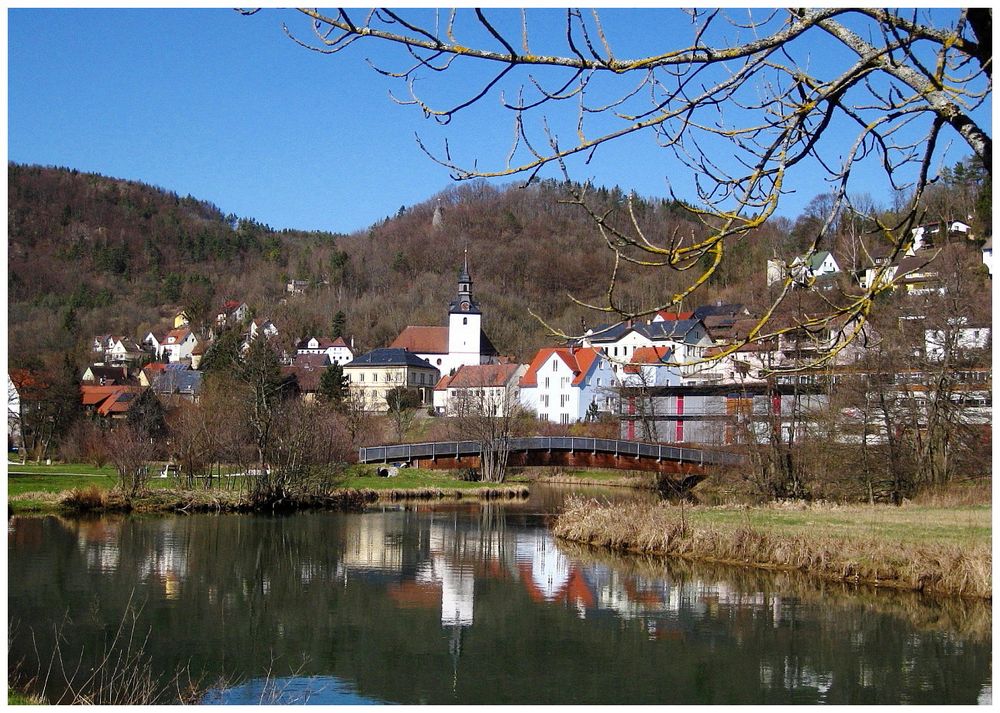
<point>461,342</point>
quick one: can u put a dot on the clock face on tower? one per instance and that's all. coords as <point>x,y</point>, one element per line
<point>465,306</point>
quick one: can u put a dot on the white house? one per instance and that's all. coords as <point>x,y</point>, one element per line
<point>462,342</point>
<point>124,350</point>
<point>803,268</point>
<point>261,326</point>
<point>960,337</point>
<point>988,255</point>
<point>649,367</point>
<point>561,383</point>
<point>686,338</point>
<point>927,235</point>
<point>233,312</point>
<point>336,350</point>
<point>178,344</point>
<point>482,389</point>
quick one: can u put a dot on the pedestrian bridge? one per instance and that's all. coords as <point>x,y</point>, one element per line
<point>558,451</point>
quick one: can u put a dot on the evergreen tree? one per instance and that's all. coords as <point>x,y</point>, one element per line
<point>147,416</point>
<point>339,324</point>
<point>333,384</point>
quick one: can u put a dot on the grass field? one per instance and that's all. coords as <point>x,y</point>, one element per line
<point>942,548</point>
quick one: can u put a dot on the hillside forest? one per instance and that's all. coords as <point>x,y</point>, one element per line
<point>88,255</point>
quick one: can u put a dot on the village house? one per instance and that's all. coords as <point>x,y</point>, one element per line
<point>987,251</point>
<point>937,234</point>
<point>336,350</point>
<point>960,339</point>
<point>103,375</point>
<point>803,268</point>
<point>373,375</point>
<point>177,384</point>
<point>308,370</point>
<point>261,326</point>
<point>233,313</point>
<point>482,389</point>
<point>568,384</point>
<point>686,338</point>
<point>125,351</point>
<point>463,341</point>
<point>177,345</point>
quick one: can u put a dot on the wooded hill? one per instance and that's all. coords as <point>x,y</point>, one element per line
<point>90,255</point>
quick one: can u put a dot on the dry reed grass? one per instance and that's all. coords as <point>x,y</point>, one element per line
<point>869,557</point>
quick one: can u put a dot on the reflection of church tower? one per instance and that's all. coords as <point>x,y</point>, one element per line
<point>464,322</point>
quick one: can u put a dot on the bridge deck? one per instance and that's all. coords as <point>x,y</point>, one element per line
<point>459,450</point>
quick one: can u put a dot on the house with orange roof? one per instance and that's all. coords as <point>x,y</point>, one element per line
<point>562,383</point>
<point>233,312</point>
<point>491,389</point>
<point>178,344</point>
<point>650,366</point>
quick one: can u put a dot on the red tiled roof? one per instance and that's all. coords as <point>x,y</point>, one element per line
<point>117,403</point>
<point>93,395</point>
<point>482,375</point>
<point>674,316</point>
<point>422,340</point>
<point>154,366</point>
<point>647,355</point>
<point>578,359</point>
<point>178,334</point>
<point>442,384</point>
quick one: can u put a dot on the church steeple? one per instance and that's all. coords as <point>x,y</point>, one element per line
<point>463,302</point>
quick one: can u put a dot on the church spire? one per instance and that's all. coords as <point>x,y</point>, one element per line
<point>464,301</point>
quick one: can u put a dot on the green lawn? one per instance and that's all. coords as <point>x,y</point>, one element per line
<point>913,524</point>
<point>59,468</point>
<point>408,479</point>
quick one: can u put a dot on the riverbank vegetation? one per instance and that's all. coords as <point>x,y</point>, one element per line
<point>346,487</point>
<point>931,548</point>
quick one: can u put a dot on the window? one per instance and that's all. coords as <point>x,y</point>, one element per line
<point>545,400</point>
<point>563,400</point>
<point>616,351</point>
<point>564,382</point>
<point>598,381</point>
<point>564,418</point>
<point>546,382</point>
<point>465,320</point>
<point>362,377</point>
<point>375,376</point>
<point>555,365</point>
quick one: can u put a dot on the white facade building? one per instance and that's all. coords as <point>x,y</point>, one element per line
<point>562,382</point>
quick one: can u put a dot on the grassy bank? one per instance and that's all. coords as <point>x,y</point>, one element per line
<point>67,488</point>
<point>938,549</point>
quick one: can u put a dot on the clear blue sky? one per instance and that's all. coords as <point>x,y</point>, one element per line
<point>228,109</point>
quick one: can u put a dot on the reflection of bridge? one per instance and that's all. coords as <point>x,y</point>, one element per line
<point>558,451</point>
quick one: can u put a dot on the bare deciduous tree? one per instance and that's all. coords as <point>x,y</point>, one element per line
<point>748,106</point>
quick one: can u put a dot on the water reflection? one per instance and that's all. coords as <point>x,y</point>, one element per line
<point>290,690</point>
<point>476,605</point>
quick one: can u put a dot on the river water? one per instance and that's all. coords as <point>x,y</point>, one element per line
<point>463,604</point>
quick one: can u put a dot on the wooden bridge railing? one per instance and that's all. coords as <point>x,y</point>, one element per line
<point>457,449</point>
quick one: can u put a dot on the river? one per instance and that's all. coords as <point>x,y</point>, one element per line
<point>461,603</point>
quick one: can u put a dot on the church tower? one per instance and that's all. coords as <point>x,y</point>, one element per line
<point>465,323</point>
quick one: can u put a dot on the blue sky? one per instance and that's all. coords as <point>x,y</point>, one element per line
<point>228,109</point>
